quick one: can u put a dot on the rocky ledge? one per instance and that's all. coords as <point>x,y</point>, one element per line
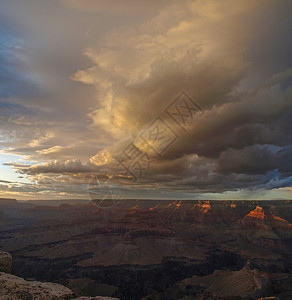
<point>13,287</point>
<point>16,288</point>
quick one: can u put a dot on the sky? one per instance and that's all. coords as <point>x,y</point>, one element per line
<point>185,99</point>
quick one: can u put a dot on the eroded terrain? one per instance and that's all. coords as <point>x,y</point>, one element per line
<point>150,249</point>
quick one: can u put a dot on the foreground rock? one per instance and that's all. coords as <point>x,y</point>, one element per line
<point>5,262</point>
<point>14,288</point>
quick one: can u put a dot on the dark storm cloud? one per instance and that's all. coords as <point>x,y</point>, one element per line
<point>262,116</point>
<point>256,159</point>
<point>233,59</point>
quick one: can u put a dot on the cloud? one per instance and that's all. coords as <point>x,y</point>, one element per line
<point>5,181</point>
<point>115,6</point>
<point>69,166</point>
<point>233,59</point>
<point>16,164</point>
<point>205,51</point>
<point>256,159</point>
<point>186,47</point>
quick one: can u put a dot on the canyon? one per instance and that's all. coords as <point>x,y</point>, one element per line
<point>153,249</point>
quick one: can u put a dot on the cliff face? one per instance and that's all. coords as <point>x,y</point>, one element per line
<point>16,288</point>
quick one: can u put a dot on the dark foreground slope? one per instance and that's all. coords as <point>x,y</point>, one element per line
<point>155,249</point>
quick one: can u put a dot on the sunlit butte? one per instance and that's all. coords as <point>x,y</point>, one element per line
<point>257,213</point>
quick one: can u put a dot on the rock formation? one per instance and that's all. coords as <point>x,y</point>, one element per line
<point>141,249</point>
<point>16,288</point>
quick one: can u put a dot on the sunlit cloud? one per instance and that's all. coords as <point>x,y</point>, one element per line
<point>85,81</point>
